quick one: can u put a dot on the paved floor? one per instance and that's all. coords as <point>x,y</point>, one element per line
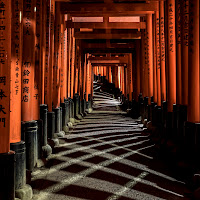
<point>107,156</point>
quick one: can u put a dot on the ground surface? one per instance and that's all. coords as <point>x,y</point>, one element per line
<point>107,156</point>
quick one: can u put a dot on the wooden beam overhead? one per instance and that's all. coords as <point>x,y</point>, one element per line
<point>111,25</point>
<point>108,59</point>
<point>108,7</point>
<point>110,14</point>
<point>79,35</point>
<point>109,64</point>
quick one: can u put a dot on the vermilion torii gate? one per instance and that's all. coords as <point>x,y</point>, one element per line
<point>50,51</point>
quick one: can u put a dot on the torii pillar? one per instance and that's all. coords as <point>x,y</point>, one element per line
<point>193,115</point>
<point>6,156</point>
<point>172,62</point>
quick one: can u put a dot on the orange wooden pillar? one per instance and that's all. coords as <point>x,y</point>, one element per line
<point>142,61</point>
<point>184,49</point>
<point>69,31</point>
<point>158,58</point>
<point>49,58</point>
<point>172,55</point>
<point>162,51</point>
<point>150,55</point>
<point>178,54</point>
<point>146,92</point>
<point>28,67</point>
<point>193,73</point>
<point>63,71</point>
<point>43,49</point>
<point>110,74</point>
<point>138,67</point>
<point>104,71</point>
<point>73,50</point>
<point>130,77</point>
<point>155,89</point>
<point>123,80</point>
<point>5,75</point>
<point>38,79</point>
<point>76,71</point>
<point>57,58</point>
<point>15,73</point>
<point>116,77</point>
<point>85,77</point>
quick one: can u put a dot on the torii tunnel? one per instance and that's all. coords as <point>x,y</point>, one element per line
<point>104,94</point>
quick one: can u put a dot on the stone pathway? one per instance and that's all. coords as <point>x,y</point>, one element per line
<point>107,156</point>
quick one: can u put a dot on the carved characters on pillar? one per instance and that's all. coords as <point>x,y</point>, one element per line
<point>5,61</point>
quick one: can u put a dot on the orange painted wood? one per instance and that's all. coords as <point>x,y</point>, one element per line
<point>38,74</point>
<point>146,78</point>
<point>104,71</point>
<point>193,73</point>
<point>150,55</point>
<point>72,63</point>
<point>49,58</point>
<point>69,61</point>
<point>138,68</point>
<point>76,70</point>
<point>172,55</point>
<point>46,51</point>
<point>57,58</point>
<point>16,63</point>
<point>28,58</point>
<point>65,66</point>
<point>123,88</point>
<point>88,81</point>
<point>142,61</point>
<point>43,49</point>
<point>162,51</point>
<point>130,76</point>
<point>85,75</point>
<point>158,58</point>
<point>5,76</point>
<point>184,49</point>
<point>178,53</point>
<point>155,90</point>
<point>110,75</point>
<point>63,78</point>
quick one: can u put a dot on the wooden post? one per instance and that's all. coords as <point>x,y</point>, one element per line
<point>16,63</point>
<point>110,74</point>
<point>184,49</point>
<point>155,90</point>
<point>69,60</point>
<point>28,57</point>
<point>172,55</point>
<point>178,53</point>
<point>130,76</point>
<point>5,76</point>
<point>193,73</point>
<point>49,58</point>
<point>38,79</point>
<point>158,58</point>
<point>72,63</point>
<point>57,58</point>
<point>162,51</point>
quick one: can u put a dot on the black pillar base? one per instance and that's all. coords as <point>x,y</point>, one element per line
<point>67,111</point>
<point>20,166</point>
<point>51,130</point>
<point>46,150</point>
<point>58,132</point>
<point>181,119</point>
<point>30,133</point>
<point>7,176</point>
<point>77,107</point>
